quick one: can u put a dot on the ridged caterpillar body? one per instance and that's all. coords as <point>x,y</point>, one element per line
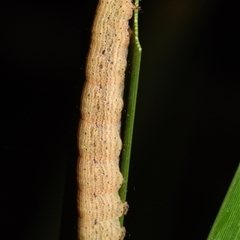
<point>99,142</point>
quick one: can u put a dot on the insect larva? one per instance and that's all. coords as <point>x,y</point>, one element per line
<point>99,143</point>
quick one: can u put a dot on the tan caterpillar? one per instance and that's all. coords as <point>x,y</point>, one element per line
<point>99,143</point>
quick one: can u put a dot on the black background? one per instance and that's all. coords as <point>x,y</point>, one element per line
<point>186,136</point>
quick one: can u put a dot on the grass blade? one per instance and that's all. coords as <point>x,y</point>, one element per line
<point>131,105</point>
<point>227,222</point>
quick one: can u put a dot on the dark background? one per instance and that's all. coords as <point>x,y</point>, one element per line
<point>186,136</point>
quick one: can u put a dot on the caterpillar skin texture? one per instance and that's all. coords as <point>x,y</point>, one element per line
<point>99,143</point>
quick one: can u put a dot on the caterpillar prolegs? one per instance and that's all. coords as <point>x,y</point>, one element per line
<point>99,142</point>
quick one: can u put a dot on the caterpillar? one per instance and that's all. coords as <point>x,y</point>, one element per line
<point>99,142</point>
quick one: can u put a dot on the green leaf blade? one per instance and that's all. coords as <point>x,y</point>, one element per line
<point>227,222</point>
<point>131,106</point>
